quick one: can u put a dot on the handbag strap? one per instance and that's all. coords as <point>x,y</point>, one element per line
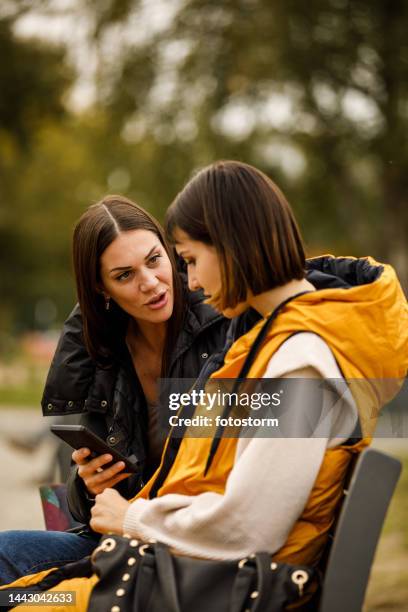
<point>264,587</point>
<point>241,589</point>
<point>167,577</point>
<point>253,585</point>
<point>156,564</point>
<point>145,578</point>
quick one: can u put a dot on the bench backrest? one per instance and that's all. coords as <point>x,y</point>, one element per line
<point>358,529</point>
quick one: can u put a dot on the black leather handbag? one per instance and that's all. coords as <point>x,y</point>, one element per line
<point>140,577</point>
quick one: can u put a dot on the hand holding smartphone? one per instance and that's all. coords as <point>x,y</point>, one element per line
<point>102,467</point>
<point>79,436</point>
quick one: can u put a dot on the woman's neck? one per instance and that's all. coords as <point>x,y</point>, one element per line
<point>266,302</point>
<point>152,336</point>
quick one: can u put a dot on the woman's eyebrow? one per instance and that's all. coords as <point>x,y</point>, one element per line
<point>156,246</point>
<point>119,268</point>
<point>128,267</point>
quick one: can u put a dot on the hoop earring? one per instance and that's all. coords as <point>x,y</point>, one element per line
<point>107,304</point>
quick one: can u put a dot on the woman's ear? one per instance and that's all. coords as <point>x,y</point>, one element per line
<point>105,296</point>
<point>100,289</point>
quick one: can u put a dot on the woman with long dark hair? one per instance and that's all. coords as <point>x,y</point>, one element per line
<point>136,322</point>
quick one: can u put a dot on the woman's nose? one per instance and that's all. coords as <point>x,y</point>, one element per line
<point>148,282</point>
<point>193,284</point>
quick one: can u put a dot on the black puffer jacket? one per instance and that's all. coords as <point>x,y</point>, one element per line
<point>111,401</point>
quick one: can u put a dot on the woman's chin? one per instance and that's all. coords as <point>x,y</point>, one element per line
<point>237,310</point>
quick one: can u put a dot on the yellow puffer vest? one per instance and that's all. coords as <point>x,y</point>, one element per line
<point>345,319</point>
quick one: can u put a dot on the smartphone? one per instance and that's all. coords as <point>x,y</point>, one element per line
<point>79,436</point>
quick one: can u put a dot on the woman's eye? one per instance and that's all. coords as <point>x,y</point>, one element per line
<point>190,262</point>
<point>123,276</point>
<point>155,258</point>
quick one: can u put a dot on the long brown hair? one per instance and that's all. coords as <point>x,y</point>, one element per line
<point>104,331</point>
<point>242,213</point>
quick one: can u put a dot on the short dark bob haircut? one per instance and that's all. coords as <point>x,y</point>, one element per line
<point>104,330</point>
<point>242,213</point>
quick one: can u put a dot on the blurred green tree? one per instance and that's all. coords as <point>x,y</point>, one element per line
<point>33,80</point>
<point>315,93</point>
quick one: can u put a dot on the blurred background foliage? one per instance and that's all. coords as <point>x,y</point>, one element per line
<point>130,96</point>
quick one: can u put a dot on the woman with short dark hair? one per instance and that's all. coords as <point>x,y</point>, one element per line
<point>324,322</point>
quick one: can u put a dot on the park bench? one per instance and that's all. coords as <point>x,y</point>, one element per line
<point>357,531</point>
<point>355,536</point>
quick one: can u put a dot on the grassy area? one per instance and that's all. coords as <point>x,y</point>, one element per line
<point>22,382</point>
<point>26,396</point>
<point>388,586</point>
<point>22,385</point>
<point>397,519</point>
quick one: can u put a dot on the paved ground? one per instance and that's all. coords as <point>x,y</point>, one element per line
<point>20,472</point>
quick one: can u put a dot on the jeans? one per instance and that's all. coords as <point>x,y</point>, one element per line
<point>29,552</point>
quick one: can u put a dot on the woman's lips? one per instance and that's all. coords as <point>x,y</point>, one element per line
<point>160,303</point>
